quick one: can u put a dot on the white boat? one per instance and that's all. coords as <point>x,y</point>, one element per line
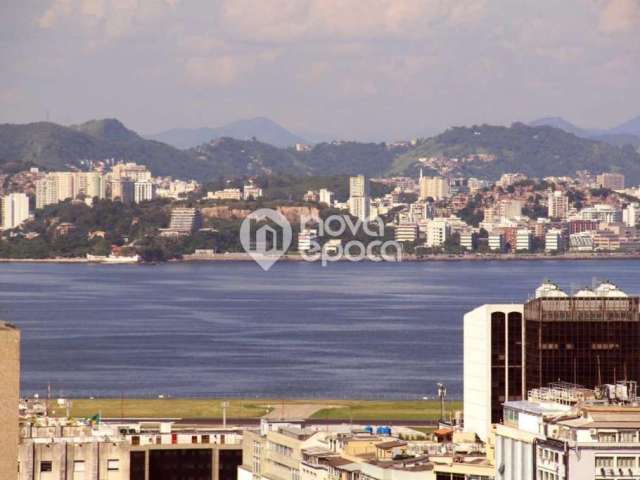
<point>113,259</point>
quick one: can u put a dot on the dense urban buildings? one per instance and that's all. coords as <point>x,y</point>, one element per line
<point>9,399</point>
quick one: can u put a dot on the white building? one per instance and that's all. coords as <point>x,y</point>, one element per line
<point>558,205</point>
<point>131,171</point>
<point>15,210</point>
<point>406,232</point>
<point>553,240</point>
<point>434,187</point>
<point>226,194</point>
<point>602,213</point>
<point>612,181</point>
<point>306,239</point>
<point>523,239</point>
<point>482,362</point>
<point>143,191</point>
<point>251,191</point>
<point>581,242</point>
<point>466,240</point>
<point>631,215</point>
<point>359,197</point>
<point>437,232</point>
<point>326,196</point>
<point>497,242</point>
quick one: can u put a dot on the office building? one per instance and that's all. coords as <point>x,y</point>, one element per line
<point>15,210</point>
<point>611,181</point>
<point>558,205</point>
<point>9,400</point>
<point>359,197</point>
<point>143,191</point>
<point>590,338</point>
<point>436,188</point>
<point>553,240</point>
<point>492,344</point>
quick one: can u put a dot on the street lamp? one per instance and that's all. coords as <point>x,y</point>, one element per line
<point>442,393</point>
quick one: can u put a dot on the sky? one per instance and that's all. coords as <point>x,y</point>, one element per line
<point>350,69</point>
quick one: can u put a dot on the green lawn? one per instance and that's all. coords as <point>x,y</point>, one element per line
<point>253,408</point>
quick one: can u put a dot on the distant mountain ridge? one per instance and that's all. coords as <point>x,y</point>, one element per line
<point>628,133</point>
<point>261,128</point>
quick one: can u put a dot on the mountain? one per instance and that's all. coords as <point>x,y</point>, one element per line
<point>53,146</point>
<point>260,128</point>
<point>536,151</point>
<point>626,134</point>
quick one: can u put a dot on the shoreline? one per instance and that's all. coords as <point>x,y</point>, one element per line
<point>244,257</point>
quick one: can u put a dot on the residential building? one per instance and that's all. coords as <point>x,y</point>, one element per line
<point>436,188</point>
<point>523,240</point>
<point>130,171</point>
<point>143,191</point>
<point>15,210</point>
<point>46,191</point>
<point>493,364</point>
<point>508,208</point>
<point>359,197</point>
<point>602,213</point>
<point>123,189</point>
<point>60,186</point>
<point>558,205</point>
<point>438,231</point>
<point>184,221</point>
<point>553,240</point>
<point>612,181</point>
<point>497,242</point>
<point>89,184</point>
<point>406,232</point>
<point>326,196</point>
<point>631,215</point>
<point>581,242</point>
<point>226,194</point>
<point>467,240</point>
<point>9,400</point>
<point>508,179</point>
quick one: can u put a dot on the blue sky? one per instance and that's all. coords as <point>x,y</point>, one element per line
<point>374,69</point>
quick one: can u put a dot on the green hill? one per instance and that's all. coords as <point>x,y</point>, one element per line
<point>534,150</point>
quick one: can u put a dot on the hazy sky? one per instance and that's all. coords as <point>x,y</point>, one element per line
<point>349,68</point>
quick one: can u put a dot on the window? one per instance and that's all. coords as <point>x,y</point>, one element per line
<point>113,465</point>
<point>604,462</point>
<point>205,438</point>
<point>626,462</point>
<point>627,436</point>
<point>46,466</point>
<point>194,439</point>
<point>607,437</point>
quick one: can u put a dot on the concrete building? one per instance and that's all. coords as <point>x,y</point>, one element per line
<point>306,239</point>
<point>436,188</point>
<point>631,215</point>
<point>507,209</point>
<point>493,364</point>
<point>9,400</point>
<point>15,210</point>
<point>497,242</point>
<point>123,189</point>
<point>326,196</point>
<point>46,191</point>
<point>553,240</point>
<point>184,221</point>
<point>523,240</point>
<point>612,181</point>
<point>467,240</point>
<point>602,213</point>
<point>251,191</point>
<point>130,171</point>
<point>59,449</point>
<point>143,191</point>
<point>438,230</point>
<point>406,232</point>
<point>89,184</point>
<point>359,197</point>
<point>226,194</point>
<point>558,205</point>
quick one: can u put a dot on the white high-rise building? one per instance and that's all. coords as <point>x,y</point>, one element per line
<point>491,372</point>
<point>437,232</point>
<point>558,205</point>
<point>359,197</point>
<point>46,191</point>
<point>326,196</point>
<point>631,215</point>
<point>553,240</point>
<point>523,239</point>
<point>89,184</point>
<point>15,210</point>
<point>143,191</point>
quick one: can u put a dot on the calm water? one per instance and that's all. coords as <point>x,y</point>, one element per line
<point>349,330</point>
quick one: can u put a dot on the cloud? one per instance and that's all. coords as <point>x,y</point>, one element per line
<point>619,16</point>
<point>111,18</point>
<point>287,20</point>
<point>224,69</point>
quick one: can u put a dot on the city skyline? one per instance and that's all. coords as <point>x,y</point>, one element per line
<point>413,68</point>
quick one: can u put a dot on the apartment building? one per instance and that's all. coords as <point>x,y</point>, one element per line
<point>143,191</point>
<point>14,211</point>
<point>553,240</point>
<point>558,205</point>
<point>438,230</point>
<point>436,188</point>
<point>523,240</point>
<point>359,201</point>
<point>406,232</point>
<point>325,196</point>
<point>226,194</point>
<point>130,171</point>
<point>184,221</point>
<point>612,181</point>
<point>60,186</point>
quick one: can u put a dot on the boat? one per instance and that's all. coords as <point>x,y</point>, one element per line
<point>113,259</point>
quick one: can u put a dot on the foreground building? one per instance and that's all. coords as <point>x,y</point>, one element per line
<point>9,399</point>
<point>590,338</point>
